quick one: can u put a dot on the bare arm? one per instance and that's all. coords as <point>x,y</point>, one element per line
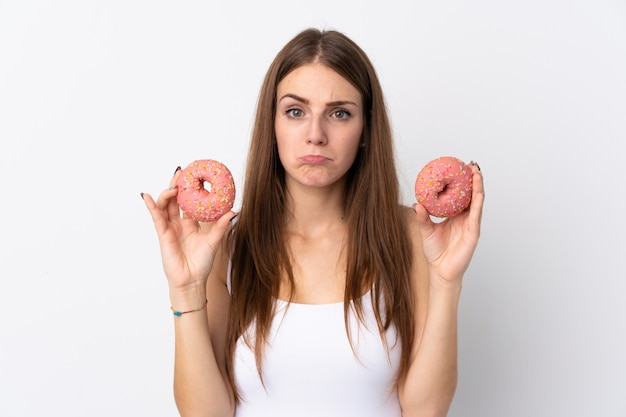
<point>201,387</point>
<point>442,253</point>
<point>431,380</point>
<point>195,268</point>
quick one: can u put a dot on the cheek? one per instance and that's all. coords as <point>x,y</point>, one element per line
<point>279,131</point>
<point>283,130</point>
<point>283,144</point>
<point>355,139</point>
<point>351,146</point>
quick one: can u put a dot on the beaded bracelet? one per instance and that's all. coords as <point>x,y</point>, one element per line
<point>180,313</point>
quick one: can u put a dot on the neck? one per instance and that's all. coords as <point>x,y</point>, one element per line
<point>313,210</point>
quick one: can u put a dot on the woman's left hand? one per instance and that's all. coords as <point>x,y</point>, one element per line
<point>449,245</point>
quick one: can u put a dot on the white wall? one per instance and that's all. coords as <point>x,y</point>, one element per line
<point>100,100</point>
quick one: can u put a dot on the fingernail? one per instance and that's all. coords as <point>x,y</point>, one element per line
<point>177,169</point>
<point>233,218</point>
<point>172,187</point>
<point>475,163</point>
<point>141,194</point>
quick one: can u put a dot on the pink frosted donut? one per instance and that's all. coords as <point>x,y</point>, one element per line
<point>444,186</point>
<point>199,203</point>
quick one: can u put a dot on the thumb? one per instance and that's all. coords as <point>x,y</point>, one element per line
<point>218,229</point>
<point>221,226</point>
<point>423,219</point>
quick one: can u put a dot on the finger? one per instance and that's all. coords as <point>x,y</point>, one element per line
<point>172,205</point>
<point>173,210</point>
<point>148,200</point>
<point>224,221</point>
<point>219,228</point>
<point>478,196</point>
<point>174,179</point>
<point>476,172</point>
<point>159,220</point>
<point>423,220</point>
<point>166,197</point>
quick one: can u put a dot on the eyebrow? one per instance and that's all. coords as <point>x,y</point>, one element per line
<point>305,101</point>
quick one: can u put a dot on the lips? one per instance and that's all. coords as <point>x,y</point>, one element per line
<point>313,159</point>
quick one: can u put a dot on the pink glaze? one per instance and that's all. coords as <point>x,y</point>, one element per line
<point>444,186</point>
<point>199,203</point>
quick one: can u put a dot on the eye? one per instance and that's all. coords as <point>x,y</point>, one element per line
<point>295,113</point>
<point>341,114</point>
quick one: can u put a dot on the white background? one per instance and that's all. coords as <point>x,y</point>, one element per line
<point>101,100</point>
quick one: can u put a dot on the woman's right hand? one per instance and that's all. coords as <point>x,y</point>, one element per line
<point>187,250</point>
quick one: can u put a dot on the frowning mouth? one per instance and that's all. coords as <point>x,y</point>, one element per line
<point>313,159</point>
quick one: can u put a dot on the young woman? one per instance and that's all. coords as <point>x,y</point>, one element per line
<point>325,296</point>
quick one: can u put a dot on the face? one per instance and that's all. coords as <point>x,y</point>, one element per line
<point>319,121</point>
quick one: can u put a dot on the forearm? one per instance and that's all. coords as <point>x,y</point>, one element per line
<point>200,386</point>
<point>432,376</point>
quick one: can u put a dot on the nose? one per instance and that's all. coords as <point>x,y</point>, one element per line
<point>316,134</point>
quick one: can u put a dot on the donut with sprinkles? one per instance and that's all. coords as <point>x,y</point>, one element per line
<point>444,186</point>
<point>205,203</point>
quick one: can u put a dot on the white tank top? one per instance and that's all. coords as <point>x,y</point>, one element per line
<point>310,369</point>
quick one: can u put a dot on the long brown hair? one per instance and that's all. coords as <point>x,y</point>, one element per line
<point>378,250</point>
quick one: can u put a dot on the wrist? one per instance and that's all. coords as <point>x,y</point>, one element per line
<point>444,298</point>
<point>445,287</point>
<point>178,313</point>
<point>190,298</point>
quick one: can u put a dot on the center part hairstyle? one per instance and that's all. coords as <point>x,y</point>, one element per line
<point>378,251</point>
